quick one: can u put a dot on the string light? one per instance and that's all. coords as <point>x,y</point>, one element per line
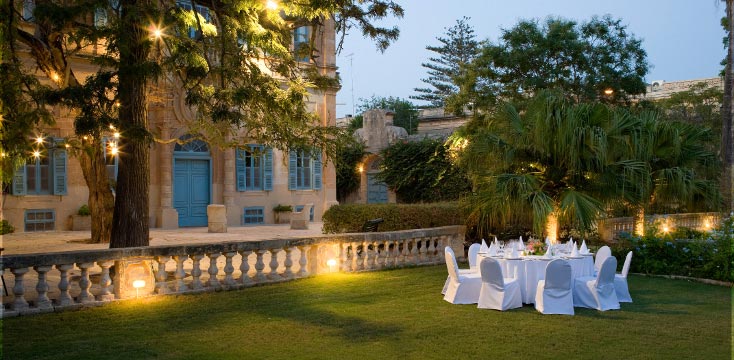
<point>116,135</point>
<point>39,140</point>
<point>36,154</point>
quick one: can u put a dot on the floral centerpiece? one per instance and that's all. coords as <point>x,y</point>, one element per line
<point>535,247</point>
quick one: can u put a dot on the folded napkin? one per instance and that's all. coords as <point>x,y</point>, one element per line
<point>574,251</point>
<point>521,245</point>
<point>548,254</point>
<point>514,254</point>
<point>584,249</point>
<point>496,243</point>
<point>484,248</point>
<point>492,250</point>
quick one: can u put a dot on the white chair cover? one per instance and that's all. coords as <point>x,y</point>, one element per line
<point>473,252</point>
<point>461,271</point>
<point>462,288</point>
<point>620,281</point>
<point>597,293</point>
<point>601,255</point>
<point>554,294</point>
<point>497,292</point>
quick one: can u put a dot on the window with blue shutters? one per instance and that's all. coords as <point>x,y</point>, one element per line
<point>301,43</point>
<point>201,11</point>
<point>253,215</point>
<point>42,175</point>
<point>304,170</point>
<point>40,220</point>
<point>254,168</point>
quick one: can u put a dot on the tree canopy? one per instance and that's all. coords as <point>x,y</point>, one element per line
<point>233,61</point>
<point>594,60</point>
<point>457,49</point>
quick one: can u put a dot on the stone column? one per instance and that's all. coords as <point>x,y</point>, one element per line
<point>167,215</point>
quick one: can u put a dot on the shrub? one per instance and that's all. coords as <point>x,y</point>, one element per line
<point>283,208</point>
<point>351,217</point>
<point>6,228</point>
<point>84,210</point>
<point>700,255</point>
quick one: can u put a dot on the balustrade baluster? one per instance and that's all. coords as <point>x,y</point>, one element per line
<point>288,273</point>
<point>42,302</point>
<point>303,261</point>
<point>386,254</point>
<point>355,256</point>
<point>105,281</point>
<point>84,284</point>
<point>344,257</point>
<point>366,257</point>
<point>404,252</point>
<point>161,276</point>
<point>64,297</point>
<point>414,252</point>
<point>260,266</point>
<point>376,258</point>
<point>196,283</point>
<point>213,271</point>
<point>180,273</point>
<point>245,268</point>
<point>273,274</point>
<point>19,303</point>
<point>229,269</point>
<point>430,259</point>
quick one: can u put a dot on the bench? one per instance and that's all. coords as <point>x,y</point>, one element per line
<point>371,225</point>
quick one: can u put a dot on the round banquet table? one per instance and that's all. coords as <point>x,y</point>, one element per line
<point>529,269</point>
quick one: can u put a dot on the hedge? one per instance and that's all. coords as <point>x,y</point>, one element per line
<point>350,218</point>
<point>685,253</point>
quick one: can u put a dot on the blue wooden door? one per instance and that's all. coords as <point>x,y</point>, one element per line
<point>376,190</point>
<point>191,189</point>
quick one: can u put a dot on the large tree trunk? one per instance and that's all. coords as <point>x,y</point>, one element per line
<point>551,227</point>
<point>101,201</point>
<point>130,226</point>
<point>639,219</point>
<point>727,130</point>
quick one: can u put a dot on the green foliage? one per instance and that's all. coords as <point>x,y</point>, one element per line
<point>422,171</point>
<point>84,210</point>
<point>457,50</point>
<point>347,175</point>
<point>350,218</point>
<point>582,60</point>
<point>6,228</point>
<point>556,157</point>
<point>282,208</point>
<point>405,113</point>
<point>684,252</point>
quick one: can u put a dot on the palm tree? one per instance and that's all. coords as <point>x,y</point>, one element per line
<point>727,130</point>
<point>558,161</point>
<point>682,168</point>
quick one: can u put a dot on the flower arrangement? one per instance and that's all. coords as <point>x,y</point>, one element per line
<point>535,247</point>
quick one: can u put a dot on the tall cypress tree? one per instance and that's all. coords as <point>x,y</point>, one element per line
<point>458,48</point>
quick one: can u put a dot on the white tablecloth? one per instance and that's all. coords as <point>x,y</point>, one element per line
<point>530,269</point>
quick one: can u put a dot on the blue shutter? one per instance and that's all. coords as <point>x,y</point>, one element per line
<point>240,168</point>
<point>292,171</point>
<point>268,169</point>
<point>59,174</point>
<point>19,186</point>
<point>317,171</point>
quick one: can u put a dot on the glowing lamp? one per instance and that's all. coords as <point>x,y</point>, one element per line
<point>113,150</point>
<point>271,5</point>
<point>608,92</point>
<point>36,154</point>
<point>39,140</point>
<point>666,229</point>
<point>360,168</point>
<point>331,263</point>
<point>55,76</point>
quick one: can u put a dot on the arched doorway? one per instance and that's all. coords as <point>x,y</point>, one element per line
<point>191,181</point>
<point>376,189</point>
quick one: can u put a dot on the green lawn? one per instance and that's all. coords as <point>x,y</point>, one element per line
<point>396,314</point>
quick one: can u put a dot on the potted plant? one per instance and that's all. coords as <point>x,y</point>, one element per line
<point>82,220</point>
<point>282,214</point>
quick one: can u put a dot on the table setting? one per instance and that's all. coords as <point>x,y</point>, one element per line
<point>527,262</point>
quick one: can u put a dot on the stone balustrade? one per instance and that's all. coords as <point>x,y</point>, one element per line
<point>38,283</point>
<point>610,229</point>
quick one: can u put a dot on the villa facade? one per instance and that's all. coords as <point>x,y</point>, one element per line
<point>186,176</point>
